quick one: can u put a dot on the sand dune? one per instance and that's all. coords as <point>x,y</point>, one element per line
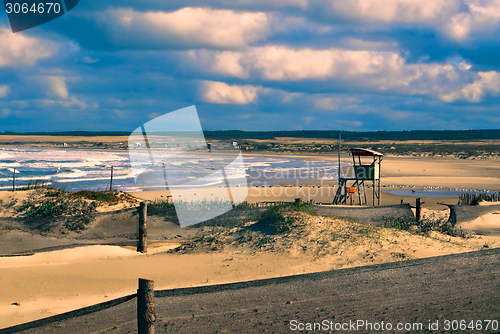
<point>64,280</point>
<point>53,282</point>
<point>489,224</point>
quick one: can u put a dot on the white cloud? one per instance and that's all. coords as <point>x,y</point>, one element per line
<point>287,97</point>
<point>350,124</point>
<point>224,62</point>
<point>89,60</point>
<point>153,115</point>
<point>187,27</point>
<point>57,86</point>
<point>283,63</point>
<point>69,104</point>
<point>352,43</point>
<point>21,50</point>
<point>222,93</point>
<point>394,10</point>
<point>273,3</point>
<point>228,62</point>
<point>326,103</point>
<point>482,17</point>
<point>457,19</point>
<point>74,102</point>
<point>308,119</point>
<point>4,90</point>
<point>366,71</point>
<point>487,82</point>
<point>459,26</point>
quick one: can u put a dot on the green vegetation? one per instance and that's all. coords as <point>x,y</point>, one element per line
<point>426,225</point>
<point>265,225</point>
<point>204,205</point>
<point>51,192</point>
<point>78,224</point>
<point>109,197</point>
<point>75,209</point>
<point>277,218</point>
<point>274,217</point>
<point>50,209</point>
<point>213,238</point>
<point>161,204</point>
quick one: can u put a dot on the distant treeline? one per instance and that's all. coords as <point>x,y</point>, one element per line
<point>327,134</point>
<point>69,133</point>
<point>361,135</point>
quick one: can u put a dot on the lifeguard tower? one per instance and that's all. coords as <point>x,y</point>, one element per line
<point>352,178</point>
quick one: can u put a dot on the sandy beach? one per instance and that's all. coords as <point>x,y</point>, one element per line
<point>397,173</point>
<point>60,280</point>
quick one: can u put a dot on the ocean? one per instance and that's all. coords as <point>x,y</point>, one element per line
<point>75,169</point>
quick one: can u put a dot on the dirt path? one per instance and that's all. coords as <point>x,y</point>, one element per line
<point>454,287</point>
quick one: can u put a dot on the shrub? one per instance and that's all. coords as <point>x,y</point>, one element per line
<point>274,217</point>
<point>424,226</point>
<point>110,197</point>
<point>401,223</point>
<point>50,209</point>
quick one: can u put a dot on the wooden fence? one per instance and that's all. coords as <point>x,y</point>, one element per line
<point>474,199</point>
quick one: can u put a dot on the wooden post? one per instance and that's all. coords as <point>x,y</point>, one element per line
<point>142,245</point>
<point>14,181</point>
<point>417,210</point>
<point>146,316</point>
<point>111,181</point>
<point>340,139</point>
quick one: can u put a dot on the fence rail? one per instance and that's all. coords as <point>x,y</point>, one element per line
<point>474,199</point>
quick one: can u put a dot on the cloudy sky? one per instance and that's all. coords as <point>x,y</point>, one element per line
<point>256,65</point>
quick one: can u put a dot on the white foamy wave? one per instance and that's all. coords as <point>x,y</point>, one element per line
<point>72,174</point>
<point>11,164</point>
<point>89,169</point>
<point>257,164</point>
<point>107,158</point>
<point>32,178</point>
<point>124,177</point>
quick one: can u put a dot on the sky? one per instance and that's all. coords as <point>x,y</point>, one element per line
<point>256,65</point>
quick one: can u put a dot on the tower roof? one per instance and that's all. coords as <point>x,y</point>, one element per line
<point>364,152</point>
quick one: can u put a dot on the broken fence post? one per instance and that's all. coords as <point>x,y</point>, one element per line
<point>111,181</point>
<point>142,245</point>
<point>146,316</point>
<point>417,210</point>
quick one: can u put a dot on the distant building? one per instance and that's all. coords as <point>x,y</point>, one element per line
<point>245,147</point>
<point>235,144</point>
<point>65,145</point>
